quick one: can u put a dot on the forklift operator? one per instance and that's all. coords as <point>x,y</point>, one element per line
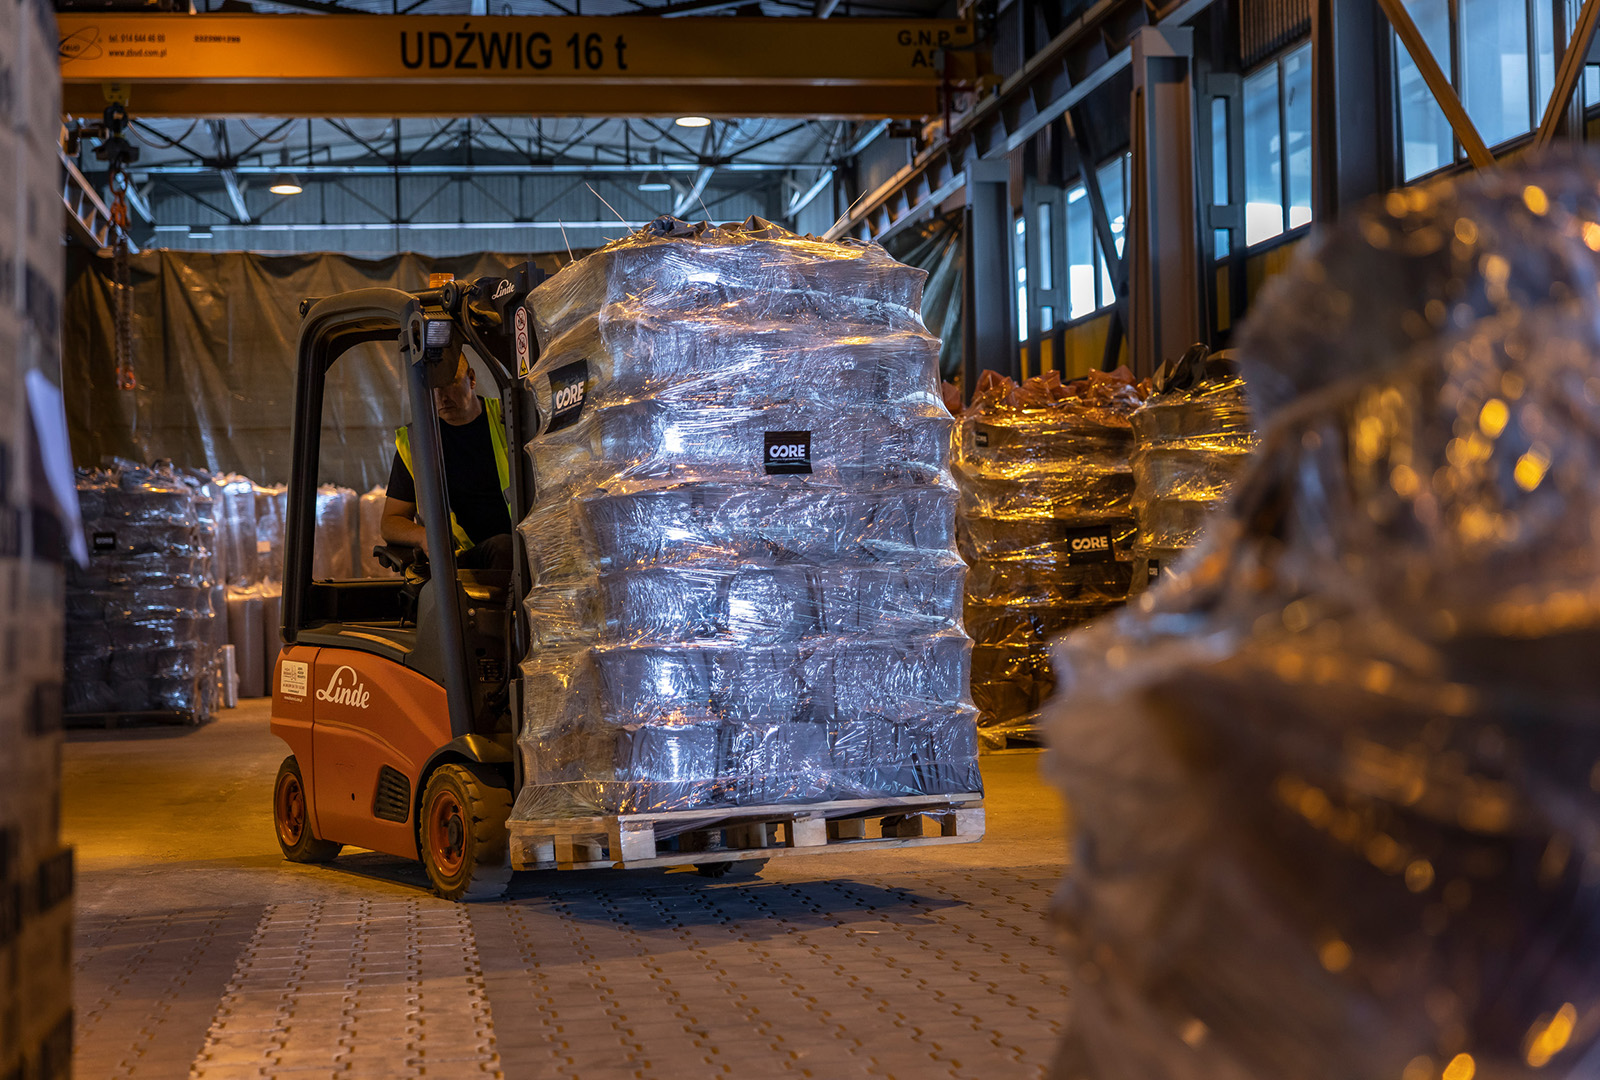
<point>472,437</point>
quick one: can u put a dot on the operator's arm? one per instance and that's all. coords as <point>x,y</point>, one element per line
<point>399,524</point>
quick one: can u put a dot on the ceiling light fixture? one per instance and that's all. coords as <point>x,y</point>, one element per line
<point>199,232</point>
<point>693,121</point>
<point>285,184</point>
<point>653,183</point>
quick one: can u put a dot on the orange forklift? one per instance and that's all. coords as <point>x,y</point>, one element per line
<point>396,695</point>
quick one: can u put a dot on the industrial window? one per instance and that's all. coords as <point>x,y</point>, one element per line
<point>1221,188</point>
<point>1046,240</point>
<point>1500,57</point>
<point>1089,285</point>
<point>1020,254</point>
<point>1277,147</point>
<point>1081,298</point>
<point>1114,190</point>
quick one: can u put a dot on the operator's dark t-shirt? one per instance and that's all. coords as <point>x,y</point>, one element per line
<point>471,478</point>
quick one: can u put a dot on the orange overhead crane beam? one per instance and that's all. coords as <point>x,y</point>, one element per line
<point>424,65</point>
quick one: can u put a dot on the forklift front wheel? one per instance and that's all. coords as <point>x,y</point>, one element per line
<point>292,818</point>
<point>461,833</point>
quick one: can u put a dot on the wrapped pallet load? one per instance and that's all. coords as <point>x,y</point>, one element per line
<point>236,523</point>
<point>745,589</point>
<point>139,616</point>
<point>333,550</point>
<point>370,534</point>
<point>1334,781</point>
<point>1046,526</point>
<point>1190,440</point>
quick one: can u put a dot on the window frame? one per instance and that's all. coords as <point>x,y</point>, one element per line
<point>1242,183</point>
<point>1456,62</point>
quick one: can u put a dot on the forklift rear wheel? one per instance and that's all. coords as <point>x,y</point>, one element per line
<point>462,834</point>
<point>293,821</point>
<point>739,868</point>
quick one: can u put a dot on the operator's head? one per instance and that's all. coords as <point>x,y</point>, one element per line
<point>457,401</point>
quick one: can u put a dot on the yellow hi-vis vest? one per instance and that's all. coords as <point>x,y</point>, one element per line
<point>497,437</point>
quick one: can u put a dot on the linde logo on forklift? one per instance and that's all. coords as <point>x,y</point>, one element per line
<point>505,288</point>
<point>787,452</point>
<point>338,693</point>
<point>569,386</point>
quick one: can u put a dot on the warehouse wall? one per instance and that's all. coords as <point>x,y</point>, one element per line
<point>214,337</point>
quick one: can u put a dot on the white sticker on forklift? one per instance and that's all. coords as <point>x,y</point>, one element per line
<point>293,677</point>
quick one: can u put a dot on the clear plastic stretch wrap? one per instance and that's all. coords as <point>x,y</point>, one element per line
<point>1045,526</point>
<point>237,525</point>
<point>333,552</point>
<point>272,518</point>
<point>1189,441</point>
<point>139,616</point>
<point>370,535</point>
<point>209,507</point>
<point>1335,782</point>
<point>745,584</point>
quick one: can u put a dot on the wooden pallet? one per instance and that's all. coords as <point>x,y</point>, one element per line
<point>109,721</point>
<point>730,834</point>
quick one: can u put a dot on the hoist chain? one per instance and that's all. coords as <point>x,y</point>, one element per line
<point>123,295</point>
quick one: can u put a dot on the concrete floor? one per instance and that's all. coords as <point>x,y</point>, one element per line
<point>203,954</point>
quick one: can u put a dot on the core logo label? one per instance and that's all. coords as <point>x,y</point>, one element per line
<point>1090,545</point>
<point>787,452</point>
<point>505,288</point>
<point>569,388</point>
<point>342,692</point>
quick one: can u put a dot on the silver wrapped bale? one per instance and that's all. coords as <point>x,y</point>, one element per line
<point>1191,438</point>
<point>1334,781</point>
<point>1046,526</point>
<point>140,622</point>
<point>745,589</point>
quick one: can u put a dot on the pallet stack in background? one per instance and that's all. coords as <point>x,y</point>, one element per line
<point>745,590</point>
<point>178,612</point>
<point>141,630</point>
<point>35,870</point>
<point>252,521</point>
<point>1191,438</point>
<point>369,534</point>
<point>1046,526</point>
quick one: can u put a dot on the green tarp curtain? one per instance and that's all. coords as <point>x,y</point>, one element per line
<point>214,337</point>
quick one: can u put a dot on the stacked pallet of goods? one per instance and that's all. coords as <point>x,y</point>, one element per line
<point>252,522</point>
<point>36,876</point>
<point>140,628</point>
<point>745,589</point>
<point>1190,440</point>
<point>1046,526</point>
<point>1350,773</point>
